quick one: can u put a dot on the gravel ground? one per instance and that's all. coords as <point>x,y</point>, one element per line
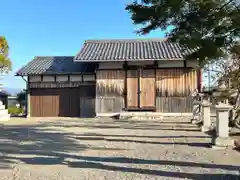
<point>106,149</point>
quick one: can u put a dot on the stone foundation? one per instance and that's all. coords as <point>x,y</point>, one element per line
<point>4,116</point>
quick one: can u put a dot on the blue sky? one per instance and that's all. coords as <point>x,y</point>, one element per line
<point>59,27</point>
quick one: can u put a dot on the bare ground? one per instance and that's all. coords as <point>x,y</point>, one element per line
<point>62,149</point>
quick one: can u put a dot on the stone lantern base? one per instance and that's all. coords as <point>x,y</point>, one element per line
<point>222,139</point>
<point>223,142</point>
<point>4,116</point>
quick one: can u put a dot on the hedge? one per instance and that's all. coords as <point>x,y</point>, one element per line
<point>15,110</point>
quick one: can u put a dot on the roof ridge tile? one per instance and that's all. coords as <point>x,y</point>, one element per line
<point>131,49</point>
<point>126,40</point>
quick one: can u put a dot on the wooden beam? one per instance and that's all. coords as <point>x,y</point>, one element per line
<point>139,85</point>
<point>59,84</point>
<point>28,98</point>
<point>125,84</point>
<point>184,63</point>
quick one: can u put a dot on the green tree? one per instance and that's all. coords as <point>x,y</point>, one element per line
<point>211,27</point>
<point>21,96</point>
<point>5,62</point>
<point>228,70</point>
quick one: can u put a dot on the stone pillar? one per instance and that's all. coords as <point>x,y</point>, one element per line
<point>222,129</point>
<point>196,107</point>
<point>4,116</point>
<point>206,116</point>
<point>196,112</point>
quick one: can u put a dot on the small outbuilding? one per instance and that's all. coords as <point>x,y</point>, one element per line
<point>113,76</point>
<point>58,87</point>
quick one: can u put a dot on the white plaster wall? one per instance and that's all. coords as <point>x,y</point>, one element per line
<point>88,77</point>
<point>161,64</point>
<point>170,63</point>
<point>62,78</point>
<point>48,78</point>
<point>75,78</point>
<point>177,63</point>
<point>192,63</point>
<point>136,63</point>
<point>34,78</point>
<point>110,65</point>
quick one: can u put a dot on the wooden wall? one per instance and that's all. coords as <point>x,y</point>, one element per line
<point>177,82</point>
<point>63,102</point>
<point>174,104</point>
<point>174,88</point>
<point>110,90</point>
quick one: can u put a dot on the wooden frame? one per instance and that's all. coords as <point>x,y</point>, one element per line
<point>139,68</point>
<point>154,67</point>
<point>63,84</point>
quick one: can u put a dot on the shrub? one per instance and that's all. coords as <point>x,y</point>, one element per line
<point>15,110</point>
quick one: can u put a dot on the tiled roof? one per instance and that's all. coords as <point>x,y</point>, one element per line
<point>55,65</point>
<point>131,49</point>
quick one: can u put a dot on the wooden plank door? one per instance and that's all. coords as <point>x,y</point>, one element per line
<point>132,89</point>
<point>44,102</point>
<point>147,89</point>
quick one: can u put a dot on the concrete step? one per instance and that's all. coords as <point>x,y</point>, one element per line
<point>141,115</point>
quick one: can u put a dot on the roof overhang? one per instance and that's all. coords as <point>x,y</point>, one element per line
<point>131,50</point>
<point>128,60</point>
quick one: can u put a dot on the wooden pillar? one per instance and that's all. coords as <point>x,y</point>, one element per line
<point>28,100</point>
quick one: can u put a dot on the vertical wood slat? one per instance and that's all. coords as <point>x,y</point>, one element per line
<point>175,82</point>
<point>110,83</point>
<point>63,102</point>
<point>109,104</point>
<point>87,107</point>
<point>110,91</point>
<point>132,88</point>
<point>173,87</point>
<point>147,96</point>
<point>174,104</point>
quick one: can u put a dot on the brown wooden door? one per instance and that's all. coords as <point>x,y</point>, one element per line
<point>147,89</point>
<point>44,102</point>
<point>132,89</point>
<point>62,102</point>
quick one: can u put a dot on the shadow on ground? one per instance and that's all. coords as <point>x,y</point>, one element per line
<point>132,125</point>
<point>100,166</point>
<point>17,142</point>
<point>194,144</point>
<point>47,146</point>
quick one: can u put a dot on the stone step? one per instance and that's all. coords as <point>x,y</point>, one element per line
<point>145,117</point>
<point>140,115</point>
